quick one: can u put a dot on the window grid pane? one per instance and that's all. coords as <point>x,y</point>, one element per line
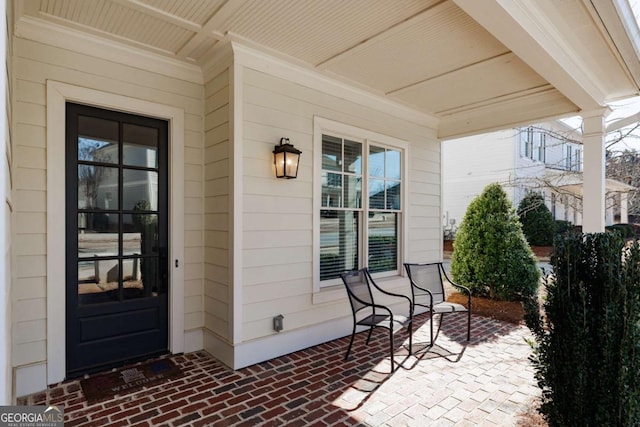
<point>383,241</point>
<point>339,237</point>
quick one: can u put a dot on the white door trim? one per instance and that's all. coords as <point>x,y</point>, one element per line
<point>57,95</point>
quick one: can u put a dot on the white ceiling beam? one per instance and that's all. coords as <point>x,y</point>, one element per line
<point>161,14</point>
<point>213,27</point>
<point>520,27</point>
<point>627,121</point>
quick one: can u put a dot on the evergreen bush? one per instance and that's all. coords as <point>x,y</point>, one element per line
<point>491,255</point>
<point>562,226</point>
<point>537,222</point>
<point>587,350</point>
<point>625,230</point>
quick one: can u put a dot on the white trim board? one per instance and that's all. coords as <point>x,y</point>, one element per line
<point>57,95</point>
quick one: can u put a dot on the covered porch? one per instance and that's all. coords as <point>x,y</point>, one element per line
<point>348,82</point>
<point>485,382</point>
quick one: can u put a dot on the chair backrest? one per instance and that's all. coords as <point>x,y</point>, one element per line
<point>358,289</point>
<point>426,276</point>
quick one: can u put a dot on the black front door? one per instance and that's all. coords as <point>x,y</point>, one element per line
<point>116,238</point>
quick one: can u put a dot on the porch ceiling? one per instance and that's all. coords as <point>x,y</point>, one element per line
<point>476,66</point>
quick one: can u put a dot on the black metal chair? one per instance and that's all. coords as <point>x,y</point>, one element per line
<point>358,284</point>
<point>427,290</point>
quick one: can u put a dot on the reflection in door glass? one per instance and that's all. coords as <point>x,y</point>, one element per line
<point>98,281</point>
<point>97,187</point>
<point>140,234</point>
<point>97,140</point>
<point>140,190</point>
<point>140,146</point>
<point>140,277</point>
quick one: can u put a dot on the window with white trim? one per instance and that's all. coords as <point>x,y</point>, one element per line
<point>526,142</point>
<point>360,218</point>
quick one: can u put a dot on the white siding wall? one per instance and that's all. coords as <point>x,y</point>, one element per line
<point>470,164</point>
<point>528,173</point>
<point>5,210</point>
<point>35,63</point>
<point>277,256</point>
<point>217,291</point>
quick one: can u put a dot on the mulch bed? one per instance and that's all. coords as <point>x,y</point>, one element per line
<point>508,311</point>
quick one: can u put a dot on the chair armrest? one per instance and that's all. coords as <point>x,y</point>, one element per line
<point>463,288</point>
<point>393,294</point>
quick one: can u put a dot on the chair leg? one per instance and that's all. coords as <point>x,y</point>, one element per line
<point>431,323</point>
<point>391,347</point>
<point>469,325</point>
<point>369,335</point>
<point>410,336</point>
<point>353,334</point>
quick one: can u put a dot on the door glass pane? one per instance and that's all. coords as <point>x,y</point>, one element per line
<point>140,235</point>
<point>97,234</point>
<point>97,140</point>
<point>140,277</point>
<point>331,153</point>
<point>97,187</point>
<point>140,146</point>
<point>98,281</point>
<point>331,190</point>
<point>140,190</point>
<point>383,241</point>
<point>338,243</point>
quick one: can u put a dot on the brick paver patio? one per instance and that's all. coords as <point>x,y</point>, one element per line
<point>486,382</point>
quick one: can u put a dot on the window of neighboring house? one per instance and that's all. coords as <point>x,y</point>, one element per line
<point>361,206</point>
<point>541,147</point>
<point>577,163</point>
<point>526,148</point>
<point>553,205</point>
<point>568,157</point>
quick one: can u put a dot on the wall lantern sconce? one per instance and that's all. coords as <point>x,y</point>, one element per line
<point>286,158</point>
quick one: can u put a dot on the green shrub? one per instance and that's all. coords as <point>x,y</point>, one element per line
<point>586,355</point>
<point>626,230</point>
<point>562,226</point>
<point>491,255</point>
<point>537,222</point>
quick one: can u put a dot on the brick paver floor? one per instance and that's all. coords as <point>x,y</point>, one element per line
<point>486,382</point>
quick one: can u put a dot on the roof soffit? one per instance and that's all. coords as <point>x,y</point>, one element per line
<point>560,41</point>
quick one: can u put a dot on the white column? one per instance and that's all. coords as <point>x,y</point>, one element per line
<point>593,197</point>
<point>624,208</point>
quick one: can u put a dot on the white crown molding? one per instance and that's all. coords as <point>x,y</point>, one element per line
<point>309,77</point>
<point>56,35</point>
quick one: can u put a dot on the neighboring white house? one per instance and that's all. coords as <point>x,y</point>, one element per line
<point>546,158</point>
<point>194,244</point>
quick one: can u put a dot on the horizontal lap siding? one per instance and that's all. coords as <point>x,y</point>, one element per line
<point>278,214</point>
<point>35,63</point>
<point>216,207</point>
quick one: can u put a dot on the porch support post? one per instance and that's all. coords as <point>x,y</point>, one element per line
<point>624,208</point>
<point>593,195</point>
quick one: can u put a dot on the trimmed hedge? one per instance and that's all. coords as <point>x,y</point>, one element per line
<point>587,350</point>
